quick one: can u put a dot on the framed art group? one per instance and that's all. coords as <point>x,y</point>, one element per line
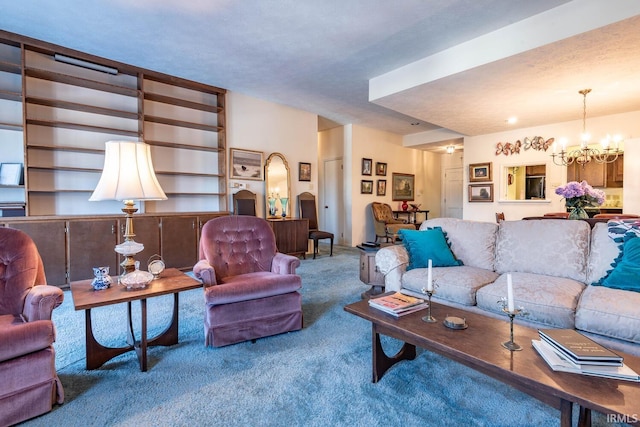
<point>366,185</point>
<point>480,172</point>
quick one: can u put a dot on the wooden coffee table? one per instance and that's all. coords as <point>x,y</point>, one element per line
<point>171,281</point>
<point>479,347</point>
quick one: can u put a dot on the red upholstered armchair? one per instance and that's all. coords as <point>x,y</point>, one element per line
<point>29,383</point>
<point>251,290</point>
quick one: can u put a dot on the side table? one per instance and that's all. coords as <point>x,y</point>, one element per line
<point>369,273</point>
<point>171,281</point>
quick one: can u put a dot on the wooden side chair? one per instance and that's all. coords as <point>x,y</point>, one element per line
<point>244,203</point>
<point>308,210</point>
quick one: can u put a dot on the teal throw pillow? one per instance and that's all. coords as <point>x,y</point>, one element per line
<point>626,274</point>
<point>425,245</point>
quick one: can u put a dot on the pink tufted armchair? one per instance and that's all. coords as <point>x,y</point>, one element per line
<point>29,385</point>
<point>251,290</point>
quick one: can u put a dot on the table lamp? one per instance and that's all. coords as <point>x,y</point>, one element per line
<point>128,175</point>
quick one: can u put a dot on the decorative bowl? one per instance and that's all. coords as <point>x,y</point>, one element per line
<point>137,279</point>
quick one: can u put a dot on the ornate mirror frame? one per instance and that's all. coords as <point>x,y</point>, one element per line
<point>277,186</point>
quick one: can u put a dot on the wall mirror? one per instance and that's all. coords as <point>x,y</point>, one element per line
<point>524,182</point>
<point>278,186</point>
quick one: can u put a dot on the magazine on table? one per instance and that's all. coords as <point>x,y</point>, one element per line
<point>558,362</point>
<point>397,303</point>
<point>578,348</point>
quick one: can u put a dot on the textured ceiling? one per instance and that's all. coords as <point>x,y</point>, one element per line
<point>320,55</point>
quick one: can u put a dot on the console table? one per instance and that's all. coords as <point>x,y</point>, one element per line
<point>412,216</point>
<point>292,235</point>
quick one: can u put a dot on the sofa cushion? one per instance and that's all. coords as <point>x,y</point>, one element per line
<point>609,312</point>
<point>456,284</point>
<point>551,247</point>
<point>472,242</point>
<point>626,273</point>
<point>426,245</point>
<point>602,254</point>
<point>548,300</point>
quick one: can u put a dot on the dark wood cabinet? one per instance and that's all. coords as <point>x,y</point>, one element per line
<point>70,247</point>
<point>292,235</point>
<point>50,238</point>
<point>615,172</point>
<point>598,174</point>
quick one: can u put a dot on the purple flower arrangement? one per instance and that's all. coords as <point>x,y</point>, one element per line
<point>580,194</point>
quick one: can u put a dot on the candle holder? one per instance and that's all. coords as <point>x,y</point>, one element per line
<point>429,318</point>
<point>511,345</point>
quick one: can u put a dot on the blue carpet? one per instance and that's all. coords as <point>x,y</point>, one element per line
<point>319,376</point>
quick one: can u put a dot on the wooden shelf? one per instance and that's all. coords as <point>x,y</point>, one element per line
<point>10,67</point>
<point>66,148</point>
<point>77,126</point>
<point>182,103</point>
<point>10,126</point>
<point>10,186</point>
<point>81,82</point>
<point>54,103</point>
<point>184,146</point>
<point>65,168</point>
<point>171,173</point>
<point>181,123</point>
<point>10,95</point>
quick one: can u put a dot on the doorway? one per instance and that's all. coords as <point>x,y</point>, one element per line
<point>331,207</point>
<point>453,194</point>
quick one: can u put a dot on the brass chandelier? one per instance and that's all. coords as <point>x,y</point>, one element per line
<point>586,154</point>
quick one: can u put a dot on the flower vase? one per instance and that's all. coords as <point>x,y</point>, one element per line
<point>283,202</point>
<point>272,206</point>
<point>578,212</point>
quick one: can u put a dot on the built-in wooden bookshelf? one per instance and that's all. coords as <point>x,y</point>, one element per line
<point>55,117</point>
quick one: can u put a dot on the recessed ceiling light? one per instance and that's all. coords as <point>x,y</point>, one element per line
<point>512,120</point>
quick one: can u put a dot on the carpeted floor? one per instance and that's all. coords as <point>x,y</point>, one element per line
<point>319,376</point>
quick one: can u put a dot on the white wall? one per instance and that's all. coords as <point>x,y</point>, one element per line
<point>631,190</point>
<point>387,148</point>
<point>481,149</point>
<point>255,124</point>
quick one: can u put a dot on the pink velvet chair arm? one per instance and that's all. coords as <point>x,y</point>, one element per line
<point>40,302</point>
<point>205,272</point>
<point>284,264</point>
<point>23,338</point>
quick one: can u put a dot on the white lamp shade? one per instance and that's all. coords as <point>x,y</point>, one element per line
<point>127,173</point>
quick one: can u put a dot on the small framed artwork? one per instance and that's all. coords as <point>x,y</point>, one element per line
<point>366,166</point>
<point>10,173</point>
<point>381,187</point>
<point>381,169</point>
<point>479,172</point>
<point>402,186</point>
<point>304,171</point>
<point>480,192</point>
<point>366,187</point>
<point>246,164</point>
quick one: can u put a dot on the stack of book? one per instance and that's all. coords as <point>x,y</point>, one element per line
<point>398,304</point>
<point>567,350</point>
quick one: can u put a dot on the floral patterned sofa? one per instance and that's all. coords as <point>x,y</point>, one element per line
<point>553,264</point>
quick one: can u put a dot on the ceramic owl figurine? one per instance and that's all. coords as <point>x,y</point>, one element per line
<point>102,279</point>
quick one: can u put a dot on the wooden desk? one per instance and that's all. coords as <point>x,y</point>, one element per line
<point>171,281</point>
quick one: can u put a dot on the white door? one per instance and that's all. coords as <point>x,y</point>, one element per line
<point>331,208</point>
<point>453,193</point>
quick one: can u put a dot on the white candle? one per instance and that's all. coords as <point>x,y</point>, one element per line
<point>429,278</point>
<point>510,303</point>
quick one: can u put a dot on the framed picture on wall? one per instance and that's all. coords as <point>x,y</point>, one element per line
<point>366,166</point>
<point>480,192</point>
<point>402,186</point>
<point>366,187</point>
<point>304,171</point>
<point>245,164</point>
<point>381,169</point>
<point>381,187</point>
<point>479,172</point>
<point>10,173</point>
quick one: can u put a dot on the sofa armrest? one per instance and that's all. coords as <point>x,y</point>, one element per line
<point>284,264</point>
<point>40,302</point>
<point>205,272</point>
<point>392,262</point>
<point>18,339</point>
